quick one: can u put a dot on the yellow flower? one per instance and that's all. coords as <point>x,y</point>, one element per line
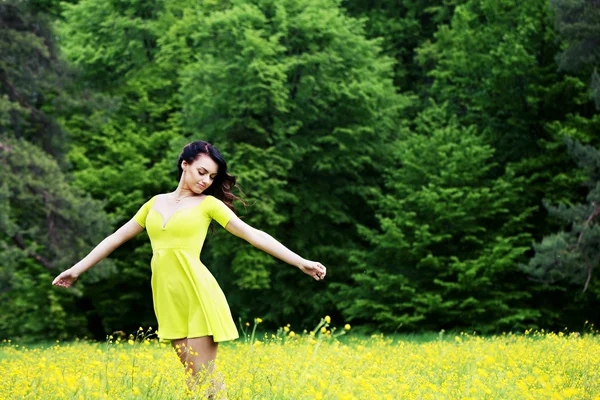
<point>258,320</point>
<point>292,334</point>
<point>347,327</point>
<point>327,319</point>
<point>286,329</point>
<point>258,343</point>
<point>247,323</point>
<point>323,330</point>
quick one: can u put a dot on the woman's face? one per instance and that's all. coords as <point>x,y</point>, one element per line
<point>200,174</point>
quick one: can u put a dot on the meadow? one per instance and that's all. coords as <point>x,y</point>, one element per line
<point>324,363</point>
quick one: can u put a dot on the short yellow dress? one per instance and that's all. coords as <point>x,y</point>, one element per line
<point>188,301</point>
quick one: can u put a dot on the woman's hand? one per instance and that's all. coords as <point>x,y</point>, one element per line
<point>314,269</point>
<point>66,278</point>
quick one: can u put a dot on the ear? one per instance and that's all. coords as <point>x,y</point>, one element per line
<point>184,165</point>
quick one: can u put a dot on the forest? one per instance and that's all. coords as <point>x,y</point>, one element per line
<point>441,158</point>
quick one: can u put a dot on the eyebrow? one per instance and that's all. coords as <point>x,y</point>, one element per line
<point>212,173</point>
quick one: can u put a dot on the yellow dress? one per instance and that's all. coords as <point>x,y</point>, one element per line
<point>188,301</point>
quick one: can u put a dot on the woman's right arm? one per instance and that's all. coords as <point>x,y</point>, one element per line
<point>100,252</point>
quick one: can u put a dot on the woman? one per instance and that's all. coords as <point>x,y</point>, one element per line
<point>190,307</point>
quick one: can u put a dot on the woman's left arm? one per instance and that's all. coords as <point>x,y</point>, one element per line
<point>267,243</point>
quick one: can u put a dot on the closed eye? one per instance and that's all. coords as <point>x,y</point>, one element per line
<point>202,173</point>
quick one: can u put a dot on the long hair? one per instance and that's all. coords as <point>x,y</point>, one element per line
<point>223,182</point>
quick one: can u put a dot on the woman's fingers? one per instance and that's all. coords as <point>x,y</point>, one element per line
<point>323,269</point>
<point>63,280</point>
<point>314,269</point>
<point>318,271</point>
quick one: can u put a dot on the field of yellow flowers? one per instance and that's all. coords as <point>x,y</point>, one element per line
<point>315,365</point>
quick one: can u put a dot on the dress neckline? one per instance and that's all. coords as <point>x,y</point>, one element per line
<point>165,223</point>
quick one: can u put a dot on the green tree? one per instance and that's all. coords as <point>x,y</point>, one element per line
<point>291,92</point>
<point>577,24</point>
<point>449,239</point>
<point>403,27</point>
<point>305,106</point>
<point>495,66</point>
<point>32,77</point>
<point>566,260</point>
<point>124,150</point>
<point>46,225</point>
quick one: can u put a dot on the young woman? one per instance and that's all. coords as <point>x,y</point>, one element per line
<point>190,307</point>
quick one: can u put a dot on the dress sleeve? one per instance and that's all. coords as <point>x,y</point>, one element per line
<point>220,212</point>
<point>140,216</point>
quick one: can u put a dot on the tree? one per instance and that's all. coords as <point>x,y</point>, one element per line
<point>449,239</point>
<point>403,27</point>
<point>32,78</point>
<point>577,24</point>
<point>305,106</point>
<point>288,91</point>
<point>46,223</point>
<point>566,260</point>
<point>495,66</point>
<point>46,226</point>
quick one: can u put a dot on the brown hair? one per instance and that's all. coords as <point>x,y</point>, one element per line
<point>223,183</point>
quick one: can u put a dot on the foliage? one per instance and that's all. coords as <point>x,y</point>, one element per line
<point>304,105</point>
<point>409,146</point>
<point>448,234</point>
<point>571,255</point>
<point>403,27</point>
<point>577,23</point>
<point>46,226</point>
<point>31,78</point>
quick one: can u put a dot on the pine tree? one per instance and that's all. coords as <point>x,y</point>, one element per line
<point>449,240</point>
<point>577,22</point>
<point>569,257</point>
<point>46,223</point>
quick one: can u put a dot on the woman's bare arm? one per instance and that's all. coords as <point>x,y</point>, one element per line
<point>99,253</point>
<point>268,244</point>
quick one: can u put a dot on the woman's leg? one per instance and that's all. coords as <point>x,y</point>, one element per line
<point>199,356</point>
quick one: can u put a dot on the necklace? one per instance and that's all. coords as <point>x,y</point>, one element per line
<point>177,200</point>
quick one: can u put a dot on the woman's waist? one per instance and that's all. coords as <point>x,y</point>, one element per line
<point>182,248</point>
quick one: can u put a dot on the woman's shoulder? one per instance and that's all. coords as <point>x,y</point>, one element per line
<point>152,199</point>
<point>213,199</point>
